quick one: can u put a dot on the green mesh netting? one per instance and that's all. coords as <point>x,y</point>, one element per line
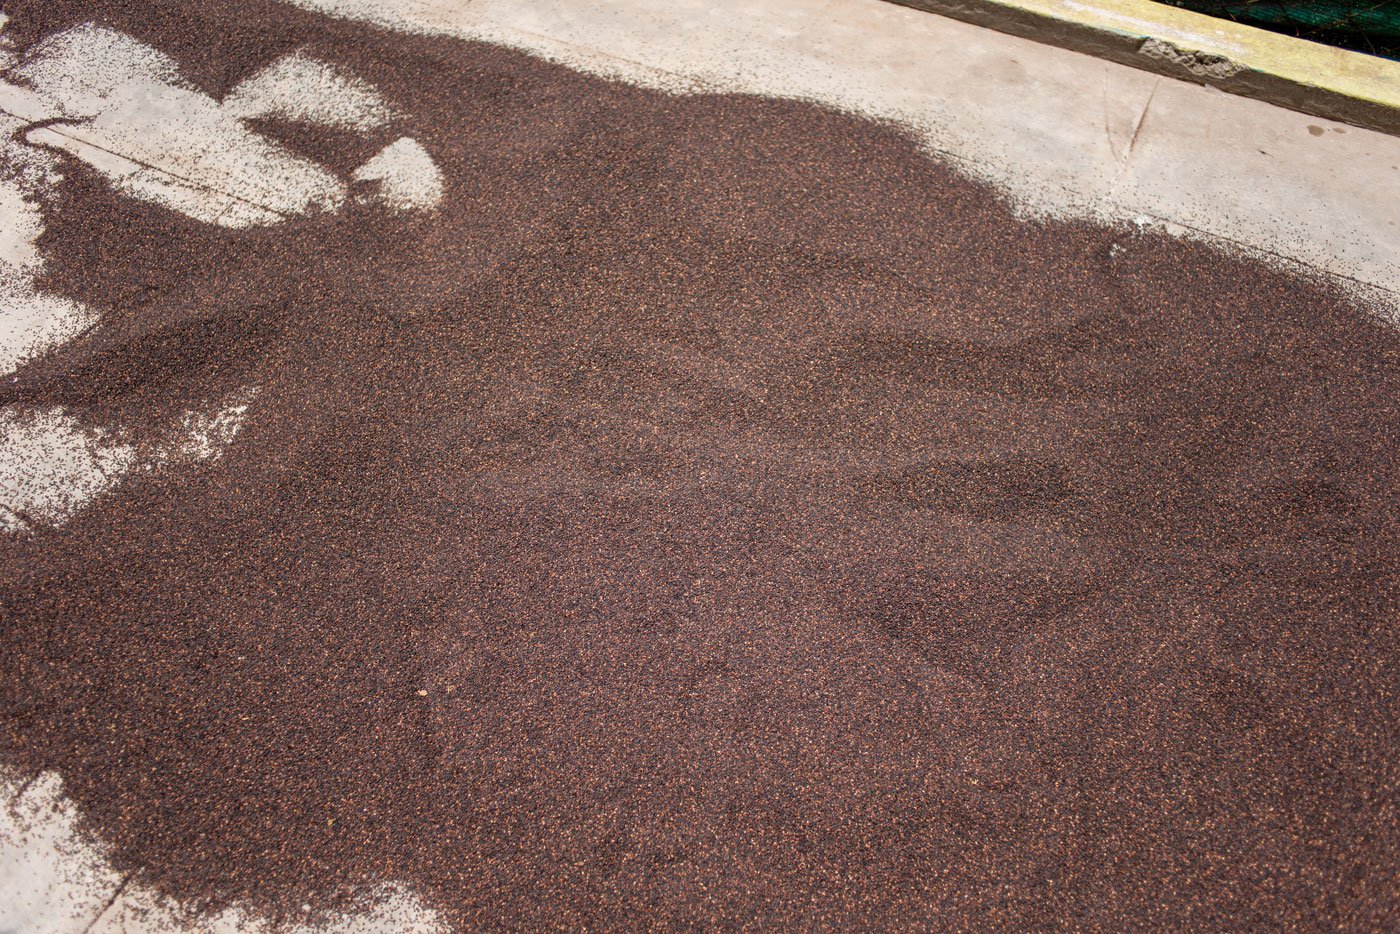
<point>1363,26</point>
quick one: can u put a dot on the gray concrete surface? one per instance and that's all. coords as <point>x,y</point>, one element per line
<point>1059,131</point>
<point>1294,73</point>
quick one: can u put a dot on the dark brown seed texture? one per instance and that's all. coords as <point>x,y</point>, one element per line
<point>716,515</point>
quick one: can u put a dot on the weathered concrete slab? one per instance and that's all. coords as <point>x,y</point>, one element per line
<point>1056,129</point>
<point>51,880</point>
<point>1311,190</point>
<point>1295,73</point>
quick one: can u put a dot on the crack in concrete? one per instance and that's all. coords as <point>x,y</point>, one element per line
<point>57,125</point>
<point>107,906</point>
<point>1132,140</point>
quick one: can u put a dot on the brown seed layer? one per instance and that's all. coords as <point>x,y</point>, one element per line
<point>717,514</point>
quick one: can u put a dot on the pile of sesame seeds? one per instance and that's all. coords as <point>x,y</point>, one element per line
<point>714,514</point>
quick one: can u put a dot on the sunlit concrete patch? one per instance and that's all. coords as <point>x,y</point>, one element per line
<point>22,224</point>
<point>51,880</point>
<point>300,88</point>
<point>52,463</point>
<point>1055,131</point>
<point>117,96</point>
<point>121,106</point>
<point>391,908</point>
<point>31,323</point>
<point>7,45</point>
<point>55,879</point>
<point>404,176</point>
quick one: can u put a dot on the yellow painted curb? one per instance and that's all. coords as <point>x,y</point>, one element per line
<point>1318,79</point>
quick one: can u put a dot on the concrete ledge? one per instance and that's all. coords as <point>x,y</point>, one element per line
<point>1317,79</point>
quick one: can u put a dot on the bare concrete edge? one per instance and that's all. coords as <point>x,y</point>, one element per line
<point>1350,87</point>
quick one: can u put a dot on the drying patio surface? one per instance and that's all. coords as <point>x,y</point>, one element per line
<point>588,465</point>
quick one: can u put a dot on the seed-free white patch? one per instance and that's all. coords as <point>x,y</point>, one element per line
<point>52,464</point>
<point>126,112</point>
<point>123,108</point>
<point>30,323</point>
<point>54,877</point>
<point>50,879</point>
<point>20,222</point>
<point>299,88</point>
<point>120,106</point>
<point>406,175</point>
<point>7,51</point>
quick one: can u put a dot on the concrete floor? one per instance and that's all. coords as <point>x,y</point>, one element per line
<point>1060,133</point>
